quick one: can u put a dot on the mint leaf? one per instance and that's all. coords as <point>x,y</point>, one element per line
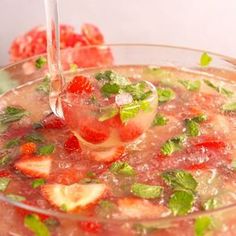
<point>202,225</point>
<point>210,204</point>
<point>122,168</point>
<point>44,86</point>
<point>191,85</point>
<point>205,59</point>
<point>46,150</point>
<point>130,110</point>
<point>33,223</point>
<point>4,182</point>
<point>157,71</point>
<point>160,120</point>
<point>34,137</point>
<point>106,75</point>
<point>16,198</point>
<point>40,62</point>
<point>12,143</point>
<point>107,113</point>
<point>229,107</point>
<point>200,118</point>
<point>4,160</point>
<point>38,182</point>
<point>165,94</point>
<point>146,191</point>
<point>73,67</point>
<point>181,202</point>
<point>192,128</point>
<point>219,89</point>
<point>179,180</point>
<point>109,89</point>
<point>12,114</point>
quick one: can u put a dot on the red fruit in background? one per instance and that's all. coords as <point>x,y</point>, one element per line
<point>5,173</point>
<point>90,227</point>
<point>114,122</point>
<point>92,34</point>
<point>72,144</point>
<point>93,131</point>
<point>129,132</point>
<point>28,148</point>
<point>79,84</point>
<point>52,122</point>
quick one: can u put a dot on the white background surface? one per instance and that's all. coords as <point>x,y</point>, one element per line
<point>204,24</point>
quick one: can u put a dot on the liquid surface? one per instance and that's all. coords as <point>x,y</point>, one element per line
<point>184,163</point>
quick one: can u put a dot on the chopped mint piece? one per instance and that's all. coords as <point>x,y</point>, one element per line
<point>46,150</point>
<point>165,94</point>
<point>157,71</point>
<point>180,180</point>
<point>106,204</point>
<point>4,160</point>
<point>181,202</point>
<point>122,168</point>
<point>130,110</point>
<point>146,191</point>
<point>34,137</point>
<point>191,85</point>
<point>109,89</point>
<point>40,62</point>
<point>16,198</point>
<point>159,120</point>
<point>33,223</point>
<point>4,182</point>
<point>202,225</point>
<point>73,67</point>
<point>106,75</point>
<point>210,204</point>
<point>38,182</point>
<point>12,114</point>
<point>219,89</point>
<point>205,59</point>
<point>64,207</point>
<point>199,119</point>
<point>91,174</point>
<point>12,143</point>
<point>44,86</point>
<point>229,107</point>
<point>192,128</point>
<point>108,113</point>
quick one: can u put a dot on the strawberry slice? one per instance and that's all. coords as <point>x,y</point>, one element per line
<point>72,196</point>
<point>38,167</point>
<point>72,144</point>
<point>93,131</point>
<point>110,155</point>
<point>90,227</point>
<point>92,34</point>
<point>130,132</point>
<point>79,84</point>
<point>52,122</point>
<point>140,208</point>
<point>28,148</point>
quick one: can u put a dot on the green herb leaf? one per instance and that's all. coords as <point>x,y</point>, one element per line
<point>160,120</point>
<point>12,143</point>
<point>109,89</point>
<point>12,114</point>
<point>199,119</point>
<point>64,207</point>
<point>191,85</point>
<point>181,202</point>
<point>16,198</point>
<point>210,204</point>
<point>180,180</point>
<point>40,62</point>
<point>33,223</point>
<point>38,182</point>
<point>202,225</point>
<point>44,86</point>
<point>122,168</point>
<point>192,128</point>
<point>34,137</point>
<point>4,160</point>
<point>73,67</point>
<point>219,89</point>
<point>106,75</point>
<point>165,94</point>
<point>146,191</point>
<point>46,150</point>
<point>157,71</point>
<point>205,59</point>
<point>108,113</point>
<point>229,107</point>
<point>4,182</point>
<point>129,111</point>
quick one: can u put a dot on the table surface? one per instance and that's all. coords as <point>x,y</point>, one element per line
<point>204,24</point>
